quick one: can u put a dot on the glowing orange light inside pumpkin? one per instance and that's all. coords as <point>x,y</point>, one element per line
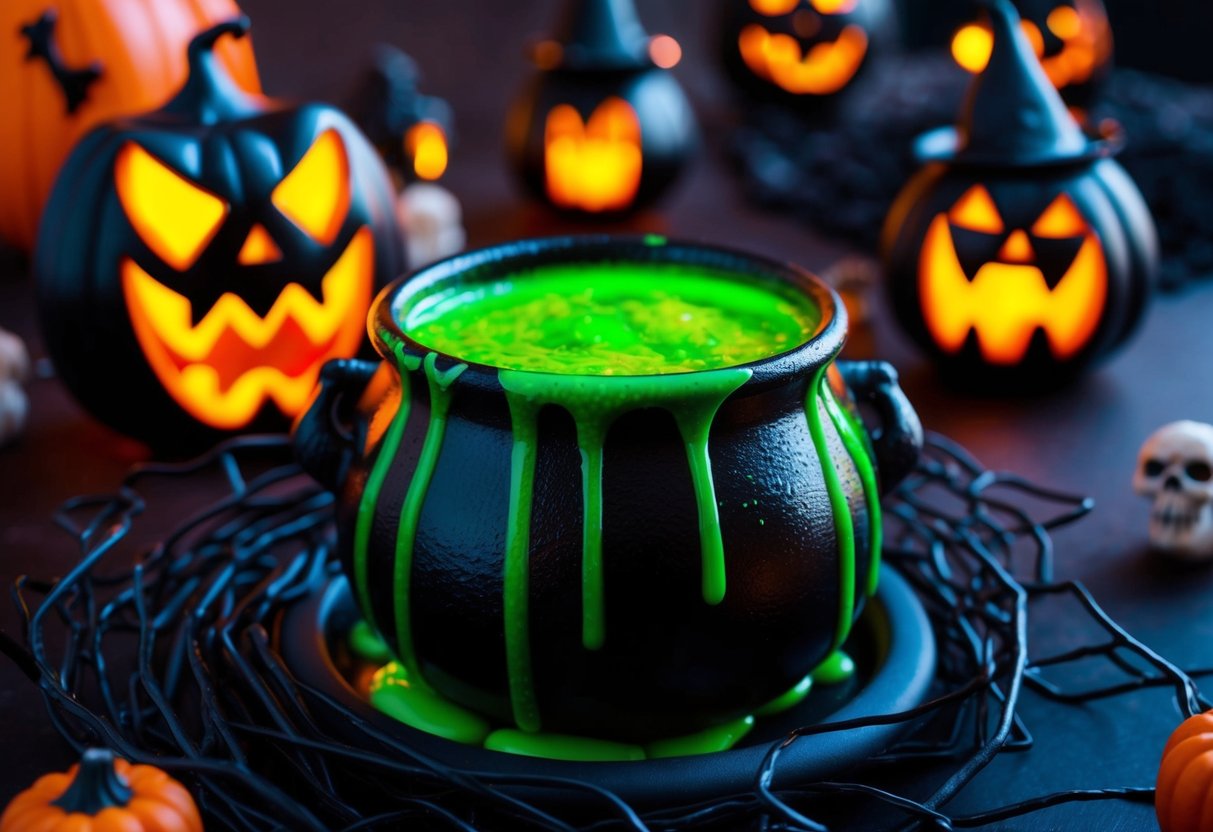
<point>773,8</point>
<point>1083,30</point>
<point>825,69</point>
<point>665,51</point>
<point>315,195</point>
<point>976,211</point>
<point>425,144</point>
<point>225,368</point>
<point>259,247</point>
<point>834,6</point>
<point>593,165</point>
<point>1008,300</point>
<point>176,218</point>
<point>1065,22</point>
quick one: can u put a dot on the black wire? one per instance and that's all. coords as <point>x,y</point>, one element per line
<point>210,699</point>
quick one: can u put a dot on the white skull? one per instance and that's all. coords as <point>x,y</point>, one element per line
<point>1175,470</point>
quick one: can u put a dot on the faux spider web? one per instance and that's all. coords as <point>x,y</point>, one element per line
<point>208,698</point>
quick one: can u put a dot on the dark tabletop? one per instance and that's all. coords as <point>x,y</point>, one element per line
<point>1084,439</point>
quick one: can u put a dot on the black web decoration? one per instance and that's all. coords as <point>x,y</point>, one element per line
<point>74,82</point>
<point>172,661</point>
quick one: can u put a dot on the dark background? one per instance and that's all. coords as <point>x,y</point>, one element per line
<point>1083,439</point>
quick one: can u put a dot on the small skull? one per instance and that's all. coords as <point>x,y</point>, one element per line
<point>1175,470</point>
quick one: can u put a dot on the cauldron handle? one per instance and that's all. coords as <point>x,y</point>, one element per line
<point>897,441</point>
<point>329,433</point>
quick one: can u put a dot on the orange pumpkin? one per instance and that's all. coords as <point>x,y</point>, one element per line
<point>103,794</point>
<point>67,66</point>
<point>1183,796</point>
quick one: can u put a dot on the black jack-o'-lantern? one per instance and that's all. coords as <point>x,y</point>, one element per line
<point>1072,39</point>
<point>604,128</point>
<point>197,265</point>
<point>1021,251</point>
<point>803,52</point>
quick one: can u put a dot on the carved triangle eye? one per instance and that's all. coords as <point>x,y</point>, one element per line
<point>976,211</point>
<point>176,218</point>
<point>315,195</point>
<point>1060,220</point>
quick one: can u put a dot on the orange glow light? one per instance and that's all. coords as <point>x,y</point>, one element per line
<point>665,51</point>
<point>774,8</point>
<point>223,370</point>
<point>259,247</point>
<point>1083,30</point>
<point>593,165</point>
<point>1006,303</point>
<point>425,144</point>
<point>834,6</point>
<point>176,218</point>
<point>825,69</point>
<point>976,211</point>
<point>315,195</point>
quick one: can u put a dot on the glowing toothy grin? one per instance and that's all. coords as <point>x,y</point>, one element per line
<point>1006,303</point>
<point>825,69</point>
<point>225,368</point>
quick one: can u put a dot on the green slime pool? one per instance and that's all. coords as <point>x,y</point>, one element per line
<point>613,319</point>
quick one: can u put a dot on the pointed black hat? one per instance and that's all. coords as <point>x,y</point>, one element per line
<point>1012,115</point>
<point>603,35</point>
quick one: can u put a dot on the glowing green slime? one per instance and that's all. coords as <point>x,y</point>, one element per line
<point>613,319</point>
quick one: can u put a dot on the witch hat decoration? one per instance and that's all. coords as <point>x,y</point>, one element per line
<point>1012,116</point>
<point>603,35</point>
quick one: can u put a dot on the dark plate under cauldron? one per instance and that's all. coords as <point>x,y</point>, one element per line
<point>892,645</point>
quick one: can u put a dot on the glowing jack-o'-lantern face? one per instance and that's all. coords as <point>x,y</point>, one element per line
<point>223,363</point>
<point>593,165</point>
<point>1004,284</point>
<point>803,49</point>
<point>230,246</point>
<point>822,68</point>
<point>1072,39</point>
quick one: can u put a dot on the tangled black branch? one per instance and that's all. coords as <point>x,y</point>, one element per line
<point>173,660</point>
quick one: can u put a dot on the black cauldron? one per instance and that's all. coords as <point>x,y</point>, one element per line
<point>462,513</point>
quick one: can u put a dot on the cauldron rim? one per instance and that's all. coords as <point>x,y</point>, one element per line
<point>495,261</point>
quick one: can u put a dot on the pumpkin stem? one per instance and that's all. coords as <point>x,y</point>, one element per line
<point>209,94</point>
<point>97,785</point>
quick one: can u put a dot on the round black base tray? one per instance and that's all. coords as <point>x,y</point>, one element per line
<point>893,649</point>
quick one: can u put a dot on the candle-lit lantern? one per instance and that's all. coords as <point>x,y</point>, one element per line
<point>412,131</point>
<point>803,52</point>
<point>1072,39</point>
<point>67,67</point>
<point>1021,251</point>
<point>604,128</point>
<point>197,265</point>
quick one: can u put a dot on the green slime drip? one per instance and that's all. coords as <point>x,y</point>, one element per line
<point>561,747</point>
<point>394,694</point>
<point>834,670</point>
<point>613,319</point>
<point>844,526</point>
<point>855,440</point>
<point>595,402</point>
<point>374,482</point>
<point>410,513</point>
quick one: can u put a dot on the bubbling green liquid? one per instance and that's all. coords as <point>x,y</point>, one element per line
<point>613,319</point>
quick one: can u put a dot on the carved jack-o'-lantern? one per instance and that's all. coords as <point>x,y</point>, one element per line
<point>1072,39</point>
<point>801,50</point>
<point>411,130</point>
<point>604,128</point>
<point>67,67</point>
<point>1020,251</point>
<point>197,265</point>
